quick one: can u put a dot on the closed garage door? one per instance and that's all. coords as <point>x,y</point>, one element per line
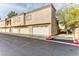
<point>7,30</point>
<point>24,30</point>
<point>15,30</point>
<point>2,30</point>
<point>41,30</point>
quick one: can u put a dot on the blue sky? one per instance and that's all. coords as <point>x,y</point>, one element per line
<point>23,7</point>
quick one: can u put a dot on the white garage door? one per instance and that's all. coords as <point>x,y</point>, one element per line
<point>41,30</point>
<point>2,30</point>
<point>15,30</point>
<point>7,30</point>
<point>24,30</point>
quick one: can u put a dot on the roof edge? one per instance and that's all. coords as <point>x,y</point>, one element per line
<point>42,7</point>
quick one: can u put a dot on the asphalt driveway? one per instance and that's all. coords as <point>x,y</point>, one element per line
<point>20,46</point>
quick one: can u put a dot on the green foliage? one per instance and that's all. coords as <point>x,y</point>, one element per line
<point>68,16</point>
<point>11,14</point>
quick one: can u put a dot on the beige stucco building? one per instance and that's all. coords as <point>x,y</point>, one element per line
<point>2,26</point>
<point>40,21</point>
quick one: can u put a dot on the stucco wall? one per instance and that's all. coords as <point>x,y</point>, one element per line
<point>17,20</point>
<point>2,23</point>
<point>38,17</point>
<point>8,22</point>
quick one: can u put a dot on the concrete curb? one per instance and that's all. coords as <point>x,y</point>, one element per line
<point>63,42</point>
<point>26,35</point>
<point>41,38</point>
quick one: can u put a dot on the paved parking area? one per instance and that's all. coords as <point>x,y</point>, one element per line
<point>19,46</point>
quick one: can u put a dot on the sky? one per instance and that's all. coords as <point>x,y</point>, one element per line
<point>23,7</point>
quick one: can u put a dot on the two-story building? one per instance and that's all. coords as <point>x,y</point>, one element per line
<point>41,22</point>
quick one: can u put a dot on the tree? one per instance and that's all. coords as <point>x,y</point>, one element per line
<point>11,14</point>
<point>68,16</point>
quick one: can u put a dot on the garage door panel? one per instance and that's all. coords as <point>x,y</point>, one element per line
<point>2,30</point>
<point>7,29</point>
<point>41,31</point>
<point>24,30</point>
<point>15,30</point>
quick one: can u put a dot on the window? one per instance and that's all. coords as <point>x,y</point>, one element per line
<point>16,19</point>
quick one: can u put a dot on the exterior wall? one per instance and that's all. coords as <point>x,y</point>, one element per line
<point>76,35</point>
<point>8,22</point>
<point>2,23</point>
<point>38,17</point>
<point>17,20</point>
<point>43,16</point>
<point>54,27</point>
<point>76,32</point>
